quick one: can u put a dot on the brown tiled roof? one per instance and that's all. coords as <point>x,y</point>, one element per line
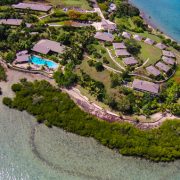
<point>122,52</point>
<point>119,45</point>
<point>154,71</point>
<point>163,67</point>
<point>12,22</point>
<point>168,60</point>
<point>130,61</point>
<point>103,36</point>
<point>126,35</point>
<point>145,86</point>
<point>137,37</point>
<point>161,46</point>
<point>35,7</point>
<point>149,41</point>
<point>168,54</point>
<point>44,46</point>
<point>108,25</point>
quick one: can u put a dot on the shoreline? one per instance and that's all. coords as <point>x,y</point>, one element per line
<point>151,24</point>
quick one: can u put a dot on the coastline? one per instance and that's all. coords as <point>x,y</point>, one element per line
<point>151,24</point>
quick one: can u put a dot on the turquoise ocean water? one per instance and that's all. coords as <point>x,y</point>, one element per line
<point>165,15</point>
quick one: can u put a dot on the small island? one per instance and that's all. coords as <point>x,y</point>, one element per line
<point>106,73</point>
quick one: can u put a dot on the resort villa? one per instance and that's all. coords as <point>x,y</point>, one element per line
<point>168,60</point>
<point>168,54</point>
<point>146,86</point>
<point>149,41</point>
<point>46,46</point>
<point>14,22</point>
<point>119,46</point>
<point>152,70</point>
<point>163,67</point>
<point>126,35</point>
<point>137,37</point>
<point>108,25</point>
<point>161,46</point>
<point>131,61</point>
<point>32,6</point>
<point>104,36</point>
<point>122,52</point>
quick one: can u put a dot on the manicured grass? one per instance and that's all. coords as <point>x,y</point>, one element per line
<point>151,52</point>
<point>71,3</point>
<point>103,76</point>
<point>111,64</point>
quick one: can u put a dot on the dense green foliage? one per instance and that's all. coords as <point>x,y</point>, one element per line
<point>5,2</point>
<point>51,106</point>
<point>2,74</point>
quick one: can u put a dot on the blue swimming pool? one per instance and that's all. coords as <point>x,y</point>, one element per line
<point>43,62</point>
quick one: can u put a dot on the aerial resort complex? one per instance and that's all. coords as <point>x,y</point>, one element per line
<point>95,68</point>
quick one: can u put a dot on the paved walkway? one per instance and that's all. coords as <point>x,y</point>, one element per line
<point>114,59</point>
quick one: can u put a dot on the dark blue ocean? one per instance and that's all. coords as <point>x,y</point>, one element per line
<point>165,15</point>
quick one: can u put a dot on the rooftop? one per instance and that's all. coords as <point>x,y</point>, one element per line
<point>161,46</point>
<point>168,60</point>
<point>168,54</point>
<point>44,46</point>
<point>122,52</point>
<point>152,70</point>
<point>149,41</point>
<point>137,37</point>
<point>145,86</point>
<point>119,45</point>
<point>163,67</point>
<point>108,25</point>
<point>12,22</point>
<point>103,36</point>
<point>130,61</point>
<point>126,35</point>
<point>32,6</point>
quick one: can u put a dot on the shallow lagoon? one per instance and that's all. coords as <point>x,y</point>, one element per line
<point>33,152</point>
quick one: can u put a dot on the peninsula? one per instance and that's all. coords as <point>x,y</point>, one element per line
<point>105,73</point>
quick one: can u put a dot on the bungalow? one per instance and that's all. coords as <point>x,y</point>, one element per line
<point>168,54</point>
<point>14,22</point>
<point>22,57</point>
<point>45,46</point>
<point>32,6</point>
<point>163,67</point>
<point>131,61</point>
<point>104,36</point>
<point>152,70</point>
<point>149,41</point>
<point>137,37</point>
<point>145,86</point>
<point>126,35</point>
<point>108,25</point>
<point>11,22</point>
<point>119,46</point>
<point>168,60</point>
<point>161,46</point>
<point>122,52</point>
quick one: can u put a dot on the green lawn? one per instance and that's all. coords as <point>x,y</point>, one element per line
<point>151,52</point>
<point>111,64</point>
<point>71,3</point>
